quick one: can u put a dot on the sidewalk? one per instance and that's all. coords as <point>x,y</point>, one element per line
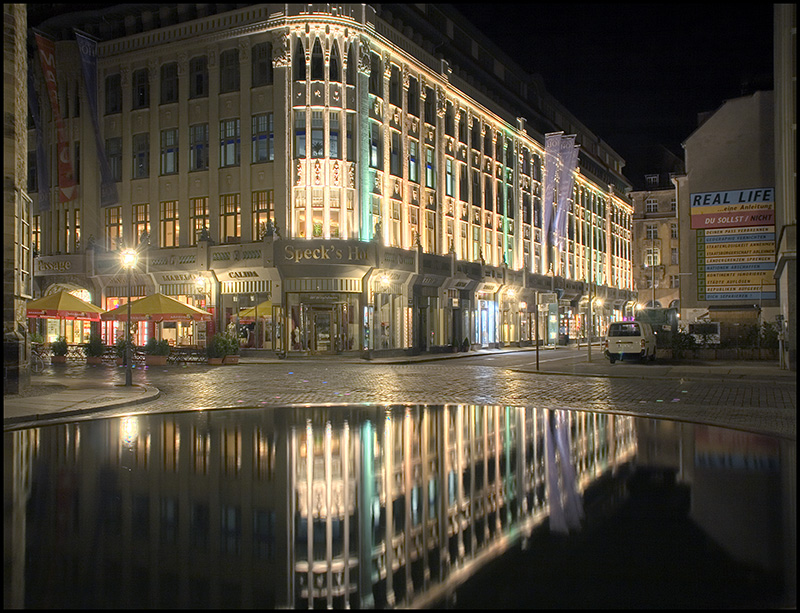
<point>75,396</point>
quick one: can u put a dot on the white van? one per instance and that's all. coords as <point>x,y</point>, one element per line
<point>630,339</point>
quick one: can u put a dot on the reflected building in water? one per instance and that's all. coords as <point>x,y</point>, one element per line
<point>309,507</point>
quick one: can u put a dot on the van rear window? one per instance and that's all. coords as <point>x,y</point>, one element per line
<point>630,329</point>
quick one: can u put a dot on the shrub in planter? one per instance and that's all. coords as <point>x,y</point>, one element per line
<point>157,352</point>
<point>59,349</point>
<point>37,338</point>
<point>119,349</point>
<point>94,349</point>
<point>465,344</point>
<point>217,348</point>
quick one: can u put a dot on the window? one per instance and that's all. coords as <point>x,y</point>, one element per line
<point>430,106</point>
<point>141,222</point>
<point>198,147</point>
<point>231,529</point>
<point>76,226</point>
<point>351,137</point>
<point>317,63</point>
<point>351,65</point>
<point>651,205</point>
<point>375,145</point>
<point>317,134</point>
<point>673,204</point>
<point>450,179</point>
<point>395,155</point>
<point>476,188</point>
<point>334,71</point>
<point>394,86</point>
<point>335,150</point>
<point>449,120</point>
<point>77,158</point>
<point>299,134</point>
<point>198,212</point>
<point>488,200</point>
<point>33,179</point>
<point>229,71</point>
<point>169,151</point>
<point>263,138</point>
<point>168,225</point>
<point>651,180</point>
<point>673,230</point>
<point>230,219</point>
<point>198,77</point>
<point>113,228</point>
<point>413,96</point>
<point>674,257</point>
<point>141,89</point>
<point>264,534</point>
<point>114,154</point>
<point>463,183</point>
<point>263,210</point>
<point>430,174</point>
<point>652,257</point>
<point>413,161</point>
<point>674,281</point>
<point>375,75</point>
<point>169,83</point>
<point>488,143</point>
<point>476,134</point>
<point>651,231</point>
<point>229,142</point>
<point>141,156</point>
<point>261,64</point>
<point>36,233</point>
<point>299,62</point>
<point>462,127</point>
<point>113,94</point>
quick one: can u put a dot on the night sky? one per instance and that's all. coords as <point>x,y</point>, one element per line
<point>636,75</point>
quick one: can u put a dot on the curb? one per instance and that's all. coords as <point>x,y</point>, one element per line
<point>150,393</point>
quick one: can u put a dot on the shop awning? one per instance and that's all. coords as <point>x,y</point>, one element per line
<point>63,305</point>
<point>156,308</point>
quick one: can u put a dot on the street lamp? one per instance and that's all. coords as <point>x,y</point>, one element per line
<point>129,258</point>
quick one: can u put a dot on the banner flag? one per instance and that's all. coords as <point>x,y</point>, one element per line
<point>42,170</point>
<point>88,51</point>
<point>552,143</point>
<point>67,187</point>
<point>569,158</point>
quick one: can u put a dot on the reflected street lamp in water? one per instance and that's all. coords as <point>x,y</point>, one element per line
<point>129,258</point>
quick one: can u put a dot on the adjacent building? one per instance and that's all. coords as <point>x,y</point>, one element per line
<point>359,177</point>
<point>726,210</point>
<point>656,242</point>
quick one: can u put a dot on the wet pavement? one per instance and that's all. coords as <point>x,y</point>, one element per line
<point>756,396</point>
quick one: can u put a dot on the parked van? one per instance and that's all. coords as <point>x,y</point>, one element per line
<point>630,339</point>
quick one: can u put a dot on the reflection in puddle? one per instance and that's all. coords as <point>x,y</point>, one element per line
<point>344,506</point>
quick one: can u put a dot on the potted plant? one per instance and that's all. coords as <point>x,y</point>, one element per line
<point>59,349</point>
<point>232,352</point>
<point>119,349</point>
<point>95,349</point>
<point>156,352</point>
<point>217,349</point>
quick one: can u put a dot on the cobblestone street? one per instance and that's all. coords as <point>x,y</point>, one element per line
<point>768,406</point>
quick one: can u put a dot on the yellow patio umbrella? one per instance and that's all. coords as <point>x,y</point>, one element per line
<point>248,315</point>
<point>157,308</point>
<point>63,305</point>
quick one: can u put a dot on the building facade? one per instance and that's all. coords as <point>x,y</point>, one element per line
<point>726,207</point>
<point>321,167</point>
<point>656,251</point>
<point>786,176</point>
<point>17,256</point>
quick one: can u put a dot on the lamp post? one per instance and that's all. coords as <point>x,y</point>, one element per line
<point>129,258</point>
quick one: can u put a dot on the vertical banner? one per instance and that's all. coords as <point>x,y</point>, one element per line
<point>67,189</point>
<point>552,143</point>
<point>569,157</point>
<point>88,51</point>
<point>42,170</point>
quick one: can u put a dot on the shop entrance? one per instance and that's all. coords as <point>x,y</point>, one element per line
<point>322,327</point>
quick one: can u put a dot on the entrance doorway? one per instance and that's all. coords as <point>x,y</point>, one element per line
<point>322,330</point>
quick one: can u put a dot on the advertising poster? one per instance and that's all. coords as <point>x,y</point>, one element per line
<point>735,244</point>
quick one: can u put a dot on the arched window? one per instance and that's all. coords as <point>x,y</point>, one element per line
<point>351,65</point>
<point>335,73</point>
<point>317,63</point>
<point>299,64</point>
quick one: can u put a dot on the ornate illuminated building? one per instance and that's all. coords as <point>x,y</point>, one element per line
<point>367,179</point>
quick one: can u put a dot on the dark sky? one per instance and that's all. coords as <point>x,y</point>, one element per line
<point>636,74</point>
